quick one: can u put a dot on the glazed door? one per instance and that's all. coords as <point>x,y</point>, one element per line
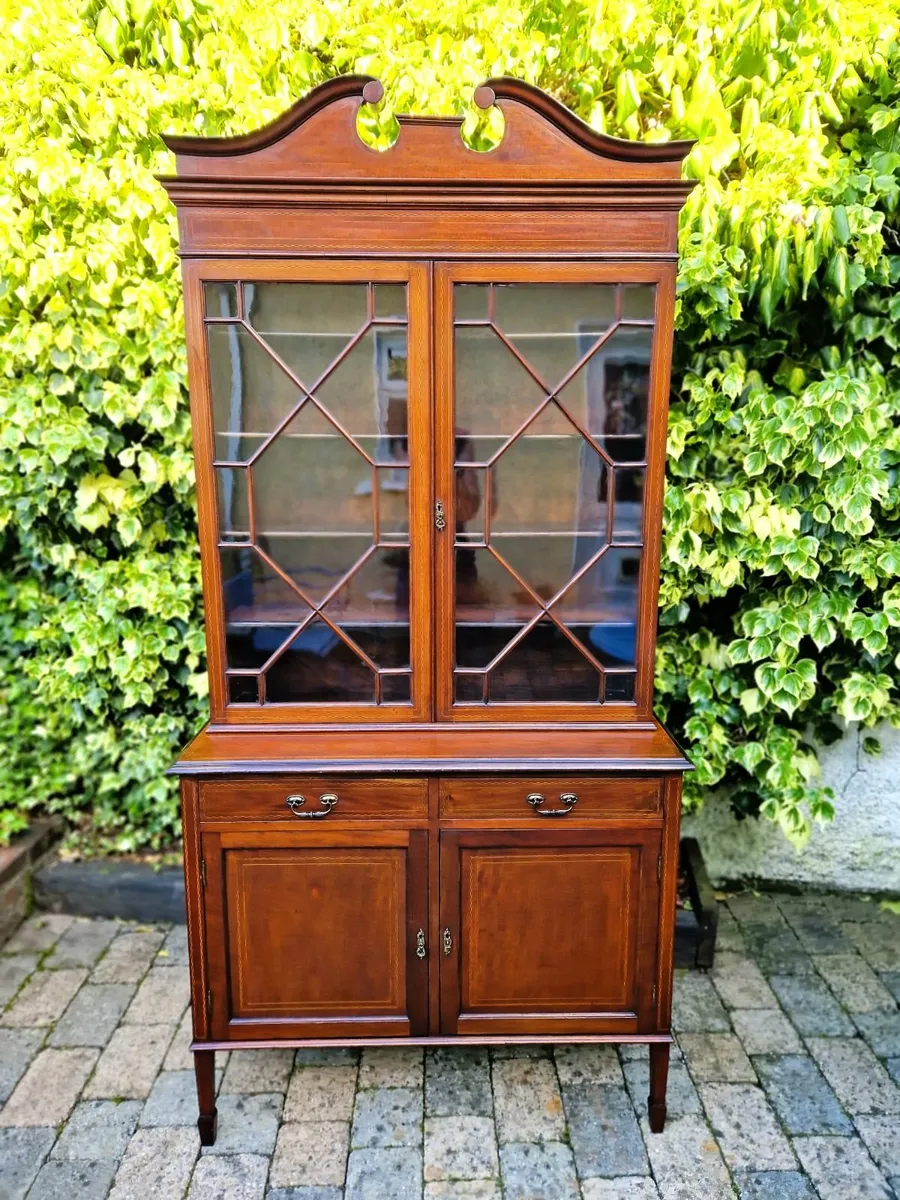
<point>550,933</point>
<point>552,384</point>
<point>317,934</point>
<point>311,386</point>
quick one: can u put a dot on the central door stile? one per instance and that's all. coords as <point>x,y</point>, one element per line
<point>444,485</point>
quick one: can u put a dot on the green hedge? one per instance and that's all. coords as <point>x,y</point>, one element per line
<point>780,601</point>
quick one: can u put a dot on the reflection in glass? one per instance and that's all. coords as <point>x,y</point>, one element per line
<point>306,324</point>
<point>233,503</point>
<point>255,595</point>
<point>470,302</point>
<point>545,666</point>
<point>549,479</point>
<point>390,301</point>
<point>547,323</point>
<point>318,667</point>
<point>220,299</point>
<point>494,392</point>
<point>251,394</point>
<point>610,395</point>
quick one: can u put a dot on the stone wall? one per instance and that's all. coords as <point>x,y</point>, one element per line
<point>858,851</point>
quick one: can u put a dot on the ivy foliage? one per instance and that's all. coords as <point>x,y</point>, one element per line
<point>780,602</point>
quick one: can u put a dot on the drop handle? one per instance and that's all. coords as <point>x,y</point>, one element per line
<point>536,799</point>
<point>328,800</point>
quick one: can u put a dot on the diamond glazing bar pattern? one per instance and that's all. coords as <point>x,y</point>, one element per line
<point>308,400</point>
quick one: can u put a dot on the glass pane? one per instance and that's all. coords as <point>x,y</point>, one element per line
<point>620,687</point>
<point>550,477</point>
<point>315,564</point>
<point>629,505</point>
<point>395,689</point>
<point>546,564</point>
<point>311,479</point>
<point>544,666</point>
<point>390,300</point>
<point>220,299</point>
<point>234,517</point>
<point>251,394</point>
<point>366,394</point>
<point>491,605</point>
<point>600,608</point>
<point>468,689</point>
<point>470,302</point>
<point>306,324</point>
<point>255,594</point>
<point>609,395</point>
<point>393,504</point>
<point>638,301</point>
<point>243,689</point>
<point>251,646</point>
<point>318,667</point>
<point>554,325</point>
<point>547,502</point>
<point>470,498</point>
<point>494,392</point>
<point>373,607</point>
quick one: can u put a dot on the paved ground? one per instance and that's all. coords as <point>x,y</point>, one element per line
<point>785,1087</point>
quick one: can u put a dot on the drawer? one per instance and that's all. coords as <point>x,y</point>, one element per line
<point>595,799</point>
<point>308,800</point>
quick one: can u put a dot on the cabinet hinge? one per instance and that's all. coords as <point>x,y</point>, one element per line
<point>659,869</point>
<point>203,871</point>
<point>208,1002</point>
<point>653,996</point>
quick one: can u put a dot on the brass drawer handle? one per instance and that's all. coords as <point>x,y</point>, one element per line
<point>328,800</point>
<point>536,799</point>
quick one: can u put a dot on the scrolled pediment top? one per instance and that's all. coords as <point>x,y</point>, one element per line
<point>317,140</point>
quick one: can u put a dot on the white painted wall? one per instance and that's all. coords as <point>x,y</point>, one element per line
<point>858,851</point>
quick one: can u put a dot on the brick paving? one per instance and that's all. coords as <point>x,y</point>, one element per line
<point>784,1085</point>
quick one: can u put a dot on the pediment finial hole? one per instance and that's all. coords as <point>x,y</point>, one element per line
<point>484,126</point>
<point>376,125</point>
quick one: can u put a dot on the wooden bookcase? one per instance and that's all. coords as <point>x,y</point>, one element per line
<point>429,391</point>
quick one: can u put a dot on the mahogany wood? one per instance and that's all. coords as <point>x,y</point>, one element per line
<point>205,1071</point>
<point>496,798</point>
<point>416,872</point>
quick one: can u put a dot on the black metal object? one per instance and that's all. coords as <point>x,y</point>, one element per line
<point>695,928</point>
<point>99,888</point>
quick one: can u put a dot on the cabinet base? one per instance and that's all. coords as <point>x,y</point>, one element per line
<point>571,1039</point>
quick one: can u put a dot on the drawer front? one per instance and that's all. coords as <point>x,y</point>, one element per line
<point>312,800</point>
<point>548,799</point>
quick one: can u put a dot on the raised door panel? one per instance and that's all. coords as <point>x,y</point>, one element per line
<point>311,395</point>
<point>549,933</point>
<point>317,936</point>
<point>551,396</point>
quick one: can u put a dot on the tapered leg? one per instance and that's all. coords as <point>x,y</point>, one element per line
<point>659,1073</point>
<point>205,1070</point>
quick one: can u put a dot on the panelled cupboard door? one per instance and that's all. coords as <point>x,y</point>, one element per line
<point>311,399</point>
<point>551,398</point>
<point>548,933</point>
<point>317,934</point>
